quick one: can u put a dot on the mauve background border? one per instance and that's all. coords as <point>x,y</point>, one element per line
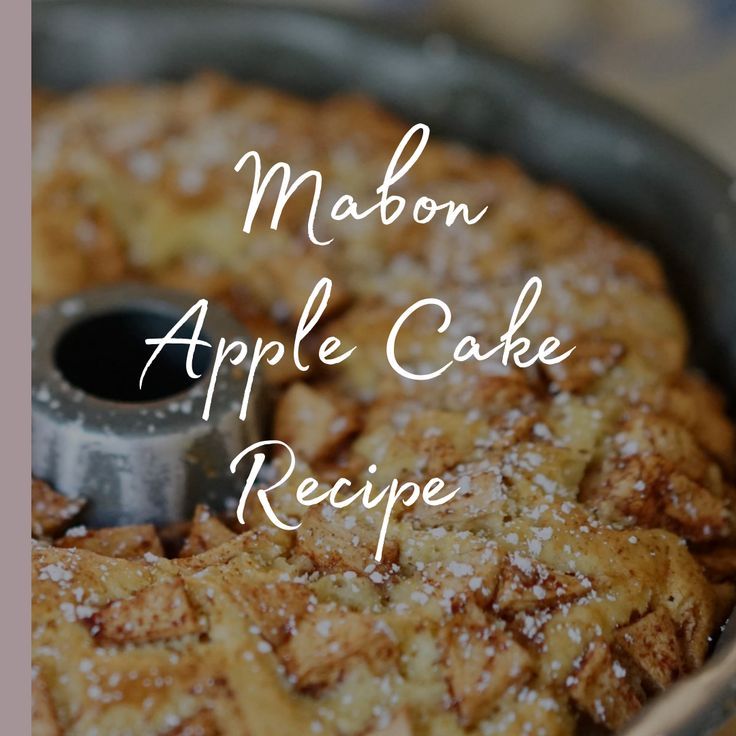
<point>15,301</point>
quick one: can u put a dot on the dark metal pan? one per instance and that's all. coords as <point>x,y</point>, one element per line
<point>654,186</point>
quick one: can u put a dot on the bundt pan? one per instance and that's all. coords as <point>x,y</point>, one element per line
<point>631,172</point>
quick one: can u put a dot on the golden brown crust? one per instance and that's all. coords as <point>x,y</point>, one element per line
<point>51,512</point>
<point>153,614</point>
<point>481,667</point>
<point>129,542</point>
<point>206,532</point>
<point>43,718</point>
<point>558,582</point>
<point>601,689</point>
<point>651,644</point>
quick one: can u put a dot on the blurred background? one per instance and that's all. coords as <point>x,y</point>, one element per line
<point>675,60</point>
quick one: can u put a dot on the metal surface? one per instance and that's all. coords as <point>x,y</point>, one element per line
<point>137,461</point>
<point>653,185</point>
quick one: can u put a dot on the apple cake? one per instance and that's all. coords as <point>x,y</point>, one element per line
<point>587,560</point>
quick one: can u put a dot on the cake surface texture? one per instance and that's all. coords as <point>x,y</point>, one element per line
<point>582,568</point>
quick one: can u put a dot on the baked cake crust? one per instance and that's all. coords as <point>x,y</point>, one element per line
<point>590,553</point>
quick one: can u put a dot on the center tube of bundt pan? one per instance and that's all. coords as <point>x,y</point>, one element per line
<point>138,452</point>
